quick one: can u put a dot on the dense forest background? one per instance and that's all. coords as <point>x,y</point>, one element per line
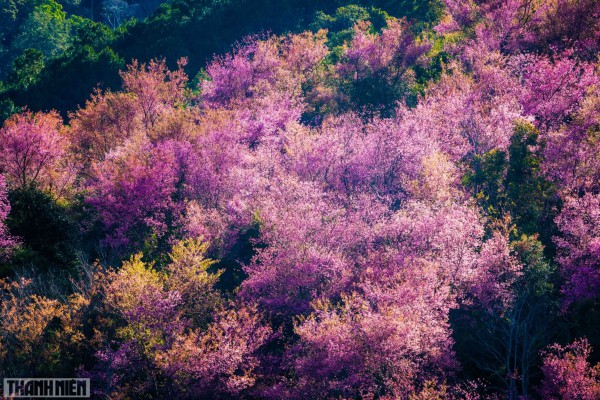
<point>261,199</point>
<point>54,54</point>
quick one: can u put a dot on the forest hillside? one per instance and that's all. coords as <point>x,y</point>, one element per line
<point>260,199</point>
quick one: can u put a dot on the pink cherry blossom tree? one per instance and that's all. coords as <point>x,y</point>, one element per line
<point>579,246</point>
<point>6,241</point>
<point>34,152</point>
<point>568,374</point>
<point>135,189</point>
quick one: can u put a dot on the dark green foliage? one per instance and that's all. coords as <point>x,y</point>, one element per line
<point>12,15</point>
<point>418,10</point>
<point>47,232</point>
<point>239,254</point>
<point>584,320</point>
<point>539,275</point>
<point>26,69</point>
<point>532,199</point>
<point>376,95</point>
<point>340,24</point>
<point>426,74</point>
<point>68,81</point>
<point>89,33</point>
<point>512,184</point>
<point>7,108</point>
<point>46,29</point>
<point>486,181</point>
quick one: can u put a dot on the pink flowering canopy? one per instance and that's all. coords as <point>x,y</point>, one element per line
<point>7,242</point>
<point>411,214</point>
<point>34,152</point>
<point>568,373</point>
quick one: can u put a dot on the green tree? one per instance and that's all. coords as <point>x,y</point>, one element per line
<point>26,69</point>
<point>511,183</point>
<point>423,11</point>
<point>47,29</point>
<point>340,24</point>
<point>74,76</point>
<point>7,108</point>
